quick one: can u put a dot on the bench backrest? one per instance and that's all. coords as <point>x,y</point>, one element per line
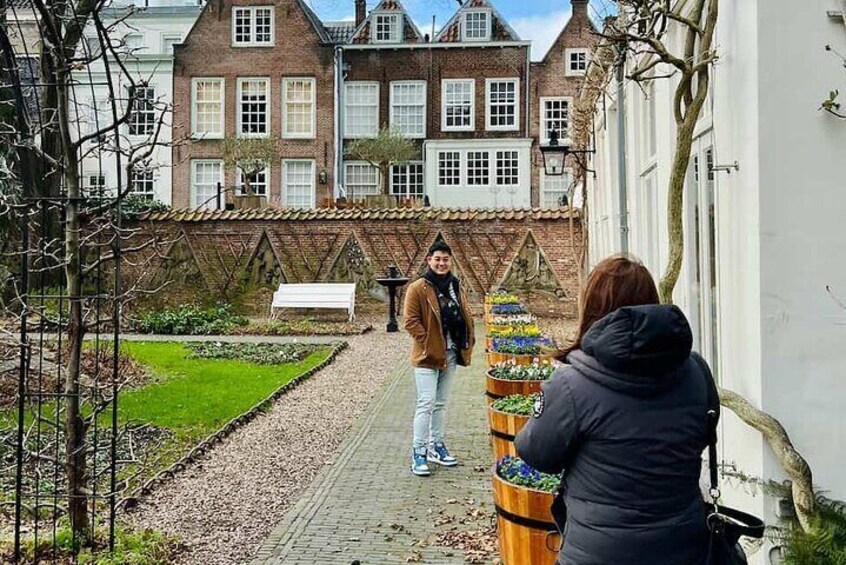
<point>315,295</point>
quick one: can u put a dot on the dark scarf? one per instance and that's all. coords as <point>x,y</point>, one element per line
<point>452,318</point>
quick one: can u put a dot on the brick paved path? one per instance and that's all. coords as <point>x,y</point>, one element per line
<point>368,507</point>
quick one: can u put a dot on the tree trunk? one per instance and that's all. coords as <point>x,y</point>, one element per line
<point>801,479</point>
<point>383,178</point>
<point>75,430</point>
<point>675,204</point>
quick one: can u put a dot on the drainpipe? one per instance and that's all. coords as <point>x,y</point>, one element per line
<point>527,119</point>
<point>621,150</point>
<point>339,141</point>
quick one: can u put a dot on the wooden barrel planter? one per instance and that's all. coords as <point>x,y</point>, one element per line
<point>504,428</point>
<point>500,388</point>
<point>495,357</point>
<point>488,309</point>
<point>526,531</point>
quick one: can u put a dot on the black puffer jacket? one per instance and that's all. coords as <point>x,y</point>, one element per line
<point>628,422</point>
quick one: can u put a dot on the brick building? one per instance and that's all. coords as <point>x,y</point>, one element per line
<point>255,69</point>
<point>470,97</point>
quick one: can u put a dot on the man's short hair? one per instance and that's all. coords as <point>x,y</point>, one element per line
<point>439,245</point>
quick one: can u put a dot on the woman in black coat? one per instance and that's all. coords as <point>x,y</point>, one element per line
<point>627,422</point>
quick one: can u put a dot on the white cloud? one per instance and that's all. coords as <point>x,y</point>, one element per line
<point>541,30</point>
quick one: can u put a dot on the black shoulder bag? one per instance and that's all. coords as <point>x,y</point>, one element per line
<point>725,525</point>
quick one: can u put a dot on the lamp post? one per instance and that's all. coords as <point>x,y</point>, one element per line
<point>555,154</point>
<point>392,282</point>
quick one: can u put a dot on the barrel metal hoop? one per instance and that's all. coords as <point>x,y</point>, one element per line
<point>526,522</point>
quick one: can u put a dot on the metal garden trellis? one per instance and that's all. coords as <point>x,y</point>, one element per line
<point>68,247</point>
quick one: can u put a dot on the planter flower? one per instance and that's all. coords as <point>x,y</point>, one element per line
<point>510,371</point>
<point>508,309</point>
<point>520,350</point>
<point>530,330</point>
<point>512,320</point>
<point>515,471</point>
<point>507,416</point>
<point>502,298</point>
<point>523,497</point>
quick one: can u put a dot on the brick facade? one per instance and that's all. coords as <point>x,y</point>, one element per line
<point>241,257</point>
<point>549,79</point>
<point>298,51</point>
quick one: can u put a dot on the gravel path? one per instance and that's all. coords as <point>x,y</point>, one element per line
<point>226,504</point>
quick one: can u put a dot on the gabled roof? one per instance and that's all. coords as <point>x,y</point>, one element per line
<point>315,22</point>
<point>340,32</point>
<point>500,30</point>
<point>410,33</point>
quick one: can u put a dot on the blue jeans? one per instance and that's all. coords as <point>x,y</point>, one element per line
<point>433,386</point>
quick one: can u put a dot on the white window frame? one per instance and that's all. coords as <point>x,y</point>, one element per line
<point>407,176</point>
<point>562,135</point>
<point>461,166</point>
<point>284,193</point>
<point>491,168</point>
<point>648,126</point>
<point>347,85</point>
<point>495,168</point>
<point>211,204</point>
<point>148,112</point>
<point>253,22</point>
<point>568,174</point>
<point>472,125</point>
<point>239,181</point>
<point>205,135</point>
<point>488,104</point>
<point>568,64</point>
<point>488,30</point>
<point>137,49</point>
<point>90,187</point>
<point>396,27</point>
<point>349,164</point>
<point>170,37</point>
<point>238,107</point>
<point>422,133</point>
<point>151,178</point>
<point>313,126</point>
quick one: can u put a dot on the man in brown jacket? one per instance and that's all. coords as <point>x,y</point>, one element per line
<point>437,316</point>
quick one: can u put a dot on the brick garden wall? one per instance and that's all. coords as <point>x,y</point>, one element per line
<point>241,257</point>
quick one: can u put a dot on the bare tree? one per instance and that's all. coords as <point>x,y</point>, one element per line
<point>382,151</point>
<point>50,142</point>
<point>251,156</point>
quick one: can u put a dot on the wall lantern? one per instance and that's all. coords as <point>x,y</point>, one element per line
<point>555,153</point>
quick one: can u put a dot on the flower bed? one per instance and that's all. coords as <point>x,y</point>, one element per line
<point>257,353</point>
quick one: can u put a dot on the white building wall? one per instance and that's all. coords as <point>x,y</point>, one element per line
<point>151,64</point>
<point>778,227</point>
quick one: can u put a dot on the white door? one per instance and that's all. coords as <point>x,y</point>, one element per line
<point>701,244</point>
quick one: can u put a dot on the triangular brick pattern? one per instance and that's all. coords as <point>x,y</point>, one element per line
<point>485,253</point>
<point>222,258</point>
<point>352,265</point>
<point>403,247</point>
<point>260,277</point>
<point>179,274</point>
<point>305,254</point>
<point>531,271</point>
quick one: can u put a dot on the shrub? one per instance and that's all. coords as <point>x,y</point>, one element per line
<point>515,471</point>
<point>190,320</point>
<point>513,372</point>
<point>520,404</point>
<point>825,544</point>
<point>257,353</point>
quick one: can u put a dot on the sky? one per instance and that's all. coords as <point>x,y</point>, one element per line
<point>537,20</point>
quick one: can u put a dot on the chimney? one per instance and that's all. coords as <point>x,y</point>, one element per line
<point>360,11</point>
<point>580,7</point>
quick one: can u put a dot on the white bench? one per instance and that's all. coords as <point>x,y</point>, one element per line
<point>316,295</point>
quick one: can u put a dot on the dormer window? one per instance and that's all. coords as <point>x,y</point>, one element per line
<point>387,28</point>
<point>477,26</point>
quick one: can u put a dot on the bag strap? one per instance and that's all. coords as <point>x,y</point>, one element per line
<point>713,419</point>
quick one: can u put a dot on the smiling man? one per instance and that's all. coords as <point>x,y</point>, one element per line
<point>438,317</point>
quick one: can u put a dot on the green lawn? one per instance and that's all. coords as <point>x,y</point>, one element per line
<point>195,397</point>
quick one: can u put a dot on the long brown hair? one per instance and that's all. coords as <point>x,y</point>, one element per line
<point>615,282</point>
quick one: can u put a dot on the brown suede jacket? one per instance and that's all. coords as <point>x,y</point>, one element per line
<point>422,319</point>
